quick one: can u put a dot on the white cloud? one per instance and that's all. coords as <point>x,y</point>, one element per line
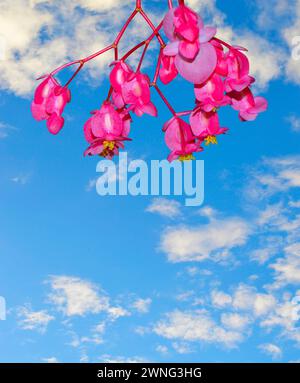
<point>287,269</point>
<point>214,240</point>
<point>182,348</point>
<point>41,35</point>
<point>21,179</point>
<point>117,312</point>
<point>195,326</point>
<point>53,359</point>
<point>5,129</point>
<point>235,321</point>
<point>142,305</point>
<point>292,66</point>
<point>162,349</point>
<point>33,320</point>
<point>165,207</point>
<point>220,299</point>
<point>271,349</point>
<point>294,121</point>
<point>74,296</point>
<point>91,185</point>
<point>246,298</point>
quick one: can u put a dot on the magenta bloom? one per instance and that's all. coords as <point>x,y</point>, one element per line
<point>238,77</point>
<point>106,130</point>
<point>206,126</point>
<point>49,102</point>
<point>132,89</point>
<point>180,140</point>
<point>195,57</point>
<point>136,93</point>
<point>222,64</point>
<point>211,94</point>
<point>168,69</point>
<point>248,105</point>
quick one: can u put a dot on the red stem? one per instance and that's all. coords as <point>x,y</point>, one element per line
<point>123,30</point>
<point>82,60</point>
<point>157,67</point>
<point>75,74</point>
<point>149,22</point>
<point>223,43</point>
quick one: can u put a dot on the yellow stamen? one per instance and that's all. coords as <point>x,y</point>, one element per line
<point>108,147</point>
<point>211,140</point>
<point>187,157</point>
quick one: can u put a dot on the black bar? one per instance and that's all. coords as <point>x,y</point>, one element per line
<point>125,372</point>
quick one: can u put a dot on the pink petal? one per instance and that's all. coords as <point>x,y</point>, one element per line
<point>201,68</point>
<point>188,50</point>
<point>168,24</point>
<point>55,123</point>
<point>39,111</point>
<point>172,48</point>
<point>207,33</point>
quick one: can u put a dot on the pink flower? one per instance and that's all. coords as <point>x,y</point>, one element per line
<point>106,130</point>
<point>49,102</point>
<point>136,93</point>
<point>222,64</point>
<point>248,105</point>
<point>180,140</point>
<point>133,89</point>
<point>195,57</point>
<point>168,70</point>
<point>211,94</point>
<point>119,75</point>
<point>238,77</point>
<point>206,126</point>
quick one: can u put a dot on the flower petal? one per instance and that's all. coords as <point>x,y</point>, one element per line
<point>201,68</point>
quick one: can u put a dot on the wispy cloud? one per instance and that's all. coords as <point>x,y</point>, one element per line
<point>33,320</point>
<point>271,349</point>
<point>165,207</point>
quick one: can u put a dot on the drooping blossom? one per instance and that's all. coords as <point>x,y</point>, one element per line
<point>106,131</point>
<point>180,140</point>
<point>222,64</point>
<point>206,126</point>
<point>195,57</point>
<point>238,77</point>
<point>132,89</point>
<point>49,102</point>
<point>248,106</point>
<point>168,71</point>
<point>211,95</point>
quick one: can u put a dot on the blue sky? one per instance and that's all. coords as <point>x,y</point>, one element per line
<point>89,278</point>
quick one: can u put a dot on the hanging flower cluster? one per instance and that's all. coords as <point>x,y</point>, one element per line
<point>218,71</point>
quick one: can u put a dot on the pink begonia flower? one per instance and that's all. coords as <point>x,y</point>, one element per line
<point>222,64</point>
<point>136,93</point>
<point>195,57</point>
<point>206,126</point>
<point>49,102</point>
<point>238,77</point>
<point>132,89</point>
<point>248,105</point>
<point>168,70</point>
<point>180,140</point>
<point>211,94</point>
<point>106,130</point>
